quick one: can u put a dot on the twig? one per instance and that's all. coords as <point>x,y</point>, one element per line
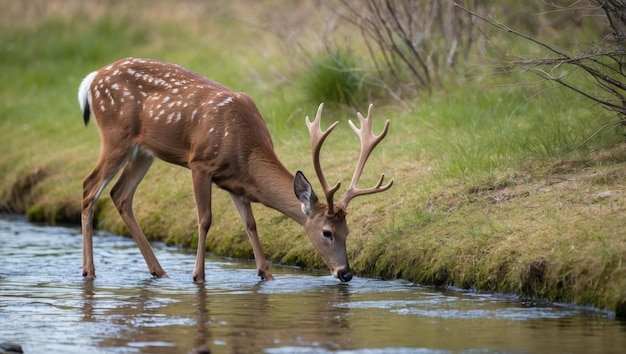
<point>592,63</point>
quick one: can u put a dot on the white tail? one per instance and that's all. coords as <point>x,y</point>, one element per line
<point>146,108</point>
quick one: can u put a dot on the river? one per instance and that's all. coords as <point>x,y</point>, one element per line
<point>46,307</point>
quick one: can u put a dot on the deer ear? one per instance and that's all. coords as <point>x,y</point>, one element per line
<point>304,193</point>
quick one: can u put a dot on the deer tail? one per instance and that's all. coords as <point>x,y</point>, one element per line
<point>84,96</point>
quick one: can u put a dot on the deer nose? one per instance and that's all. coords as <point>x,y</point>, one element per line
<point>344,276</point>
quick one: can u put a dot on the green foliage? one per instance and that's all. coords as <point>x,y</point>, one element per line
<point>37,61</point>
<point>476,133</point>
<point>334,77</point>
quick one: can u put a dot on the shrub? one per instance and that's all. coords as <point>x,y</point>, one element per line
<point>334,77</point>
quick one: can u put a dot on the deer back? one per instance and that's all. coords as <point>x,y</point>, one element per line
<point>178,115</point>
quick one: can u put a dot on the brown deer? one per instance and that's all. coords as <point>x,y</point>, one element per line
<point>146,108</point>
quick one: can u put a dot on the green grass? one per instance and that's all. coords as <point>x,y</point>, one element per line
<point>496,188</point>
<point>334,78</point>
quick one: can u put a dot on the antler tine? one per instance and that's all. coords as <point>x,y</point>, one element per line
<point>317,139</point>
<point>369,140</point>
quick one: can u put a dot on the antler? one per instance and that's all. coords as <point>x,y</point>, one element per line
<point>368,142</point>
<point>317,139</point>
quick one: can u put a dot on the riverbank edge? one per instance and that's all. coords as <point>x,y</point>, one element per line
<point>401,253</point>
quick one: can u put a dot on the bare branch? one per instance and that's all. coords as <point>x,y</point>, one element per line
<point>411,43</point>
<point>605,67</point>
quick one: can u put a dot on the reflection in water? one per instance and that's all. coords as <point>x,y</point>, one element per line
<point>88,302</point>
<point>46,306</point>
<point>155,318</point>
<point>202,337</point>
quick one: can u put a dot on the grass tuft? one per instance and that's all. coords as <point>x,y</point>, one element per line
<point>334,77</point>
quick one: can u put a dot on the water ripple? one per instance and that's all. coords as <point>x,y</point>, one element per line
<point>46,306</point>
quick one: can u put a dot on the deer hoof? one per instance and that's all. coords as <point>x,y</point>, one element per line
<point>266,275</point>
<point>198,279</point>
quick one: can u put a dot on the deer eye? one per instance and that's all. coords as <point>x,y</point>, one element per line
<point>327,233</point>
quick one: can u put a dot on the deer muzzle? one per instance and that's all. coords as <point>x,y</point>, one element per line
<point>343,274</point>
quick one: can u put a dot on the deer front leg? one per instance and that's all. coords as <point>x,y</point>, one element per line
<point>245,212</point>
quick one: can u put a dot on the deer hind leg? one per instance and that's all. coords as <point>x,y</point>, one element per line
<point>122,194</point>
<point>245,212</point>
<point>202,193</point>
<point>107,167</point>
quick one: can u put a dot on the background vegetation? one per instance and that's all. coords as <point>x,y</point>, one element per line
<point>501,182</point>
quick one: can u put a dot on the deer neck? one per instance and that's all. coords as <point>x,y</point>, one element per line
<point>273,187</point>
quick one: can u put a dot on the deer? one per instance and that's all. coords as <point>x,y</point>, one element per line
<point>146,108</point>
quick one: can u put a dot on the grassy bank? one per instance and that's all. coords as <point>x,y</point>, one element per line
<point>497,188</point>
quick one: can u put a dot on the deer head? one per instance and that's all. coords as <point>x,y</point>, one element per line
<point>326,224</point>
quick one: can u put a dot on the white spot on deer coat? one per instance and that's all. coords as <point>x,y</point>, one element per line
<point>226,101</point>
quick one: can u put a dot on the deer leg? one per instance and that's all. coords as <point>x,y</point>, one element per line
<point>245,212</point>
<point>93,185</point>
<point>122,194</point>
<point>202,194</point>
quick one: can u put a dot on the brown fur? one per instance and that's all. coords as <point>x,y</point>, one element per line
<point>145,109</point>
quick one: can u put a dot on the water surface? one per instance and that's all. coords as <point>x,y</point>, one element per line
<point>47,307</point>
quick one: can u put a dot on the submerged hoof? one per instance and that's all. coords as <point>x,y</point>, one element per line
<point>159,275</point>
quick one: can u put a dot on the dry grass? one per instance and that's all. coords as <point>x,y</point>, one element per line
<point>551,233</point>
